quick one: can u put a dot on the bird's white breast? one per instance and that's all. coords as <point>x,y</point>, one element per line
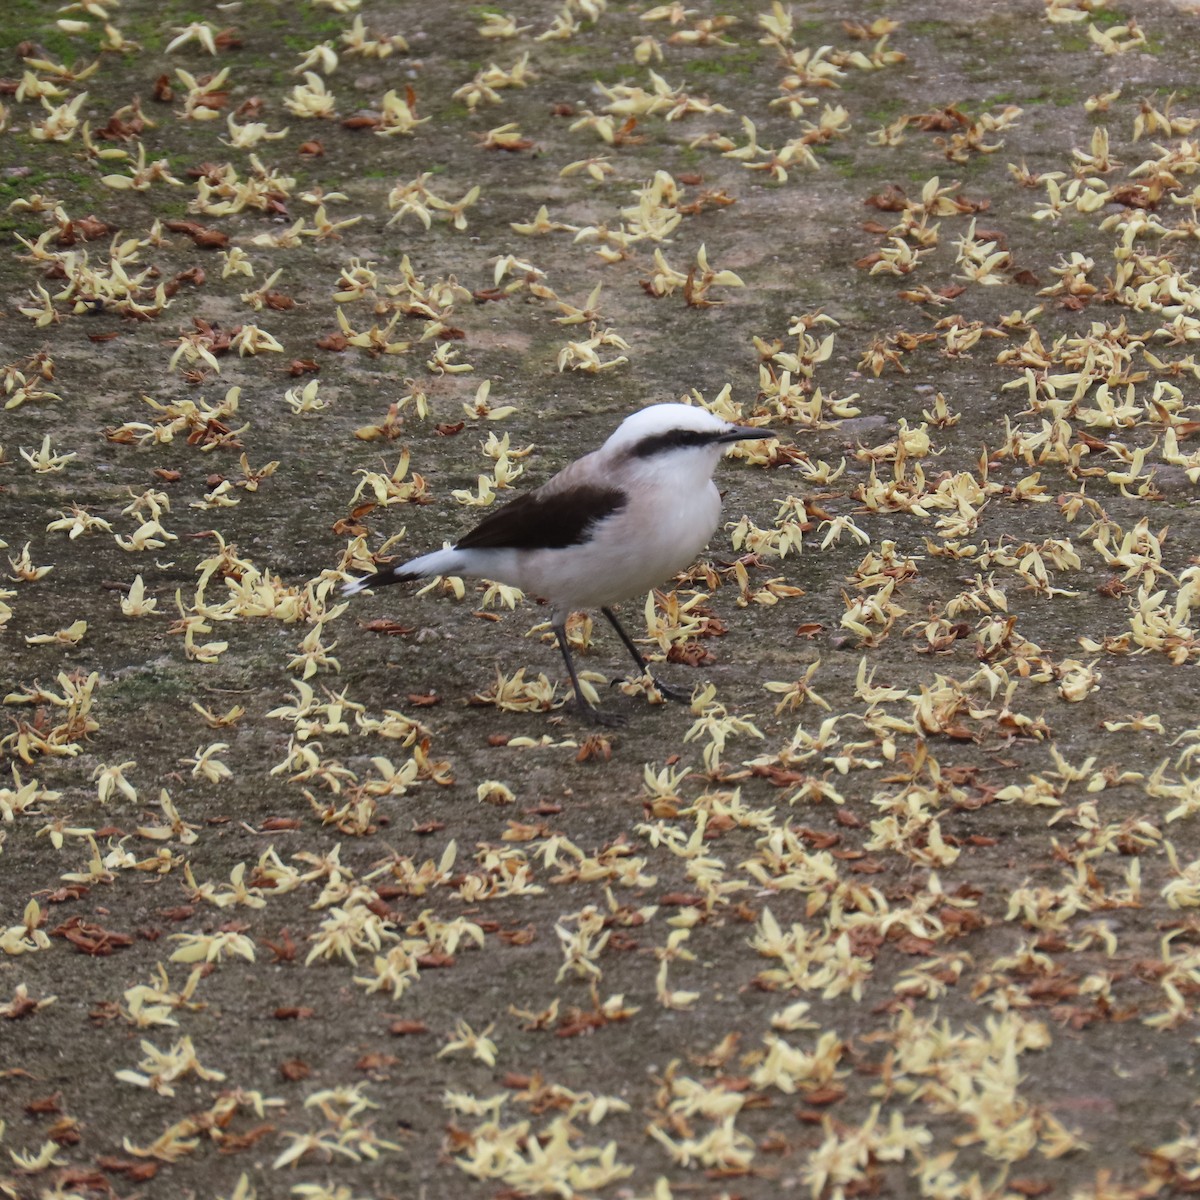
<point>656,535</point>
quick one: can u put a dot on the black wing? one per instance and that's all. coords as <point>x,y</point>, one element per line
<point>545,519</point>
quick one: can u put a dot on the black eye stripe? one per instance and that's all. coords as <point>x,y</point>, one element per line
<point>674,439</point>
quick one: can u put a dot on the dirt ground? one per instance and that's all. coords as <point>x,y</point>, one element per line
<point>316,898</point>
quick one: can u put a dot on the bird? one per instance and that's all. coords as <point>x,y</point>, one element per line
<point>608,527</point>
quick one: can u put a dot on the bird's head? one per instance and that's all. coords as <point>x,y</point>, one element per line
<point>672,434</point>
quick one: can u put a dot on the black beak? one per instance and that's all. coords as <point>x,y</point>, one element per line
<point>744,433</point>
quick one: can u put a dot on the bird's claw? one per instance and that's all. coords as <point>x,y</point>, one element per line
<point>610,720</point>
<point>683,695</point>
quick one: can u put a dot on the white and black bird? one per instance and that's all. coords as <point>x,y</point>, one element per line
<point>608,527</point>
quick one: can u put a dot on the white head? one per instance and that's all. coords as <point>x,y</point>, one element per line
<point>673,433</point>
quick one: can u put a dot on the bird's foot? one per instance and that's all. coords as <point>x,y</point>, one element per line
<point>683,695</point>
<point>589,712</point>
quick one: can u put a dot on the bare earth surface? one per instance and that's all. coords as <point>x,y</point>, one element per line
<point>301,897</point>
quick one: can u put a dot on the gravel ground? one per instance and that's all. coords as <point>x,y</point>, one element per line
<point>301,897</point>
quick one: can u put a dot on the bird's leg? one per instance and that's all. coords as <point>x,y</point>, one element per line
<point>585,707</point>
<point>672,693</point>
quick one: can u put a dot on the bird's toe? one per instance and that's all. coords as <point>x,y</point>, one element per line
<point>610,720</point>
<point>683,695</point>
